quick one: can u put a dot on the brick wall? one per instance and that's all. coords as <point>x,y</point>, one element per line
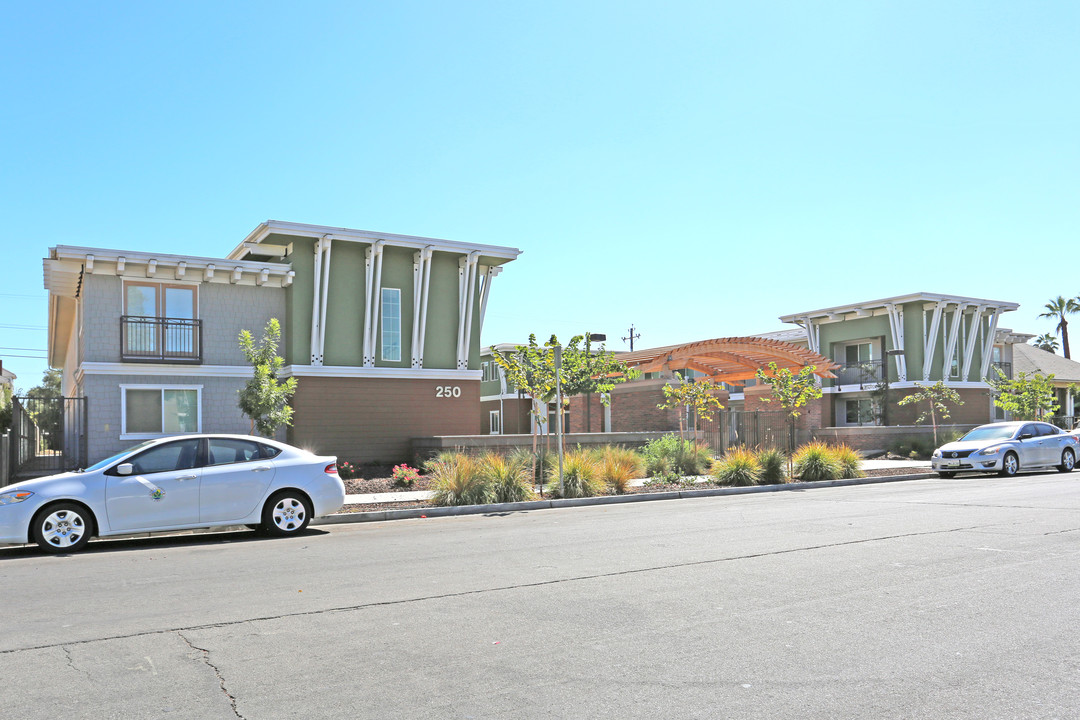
<point>375,419</point>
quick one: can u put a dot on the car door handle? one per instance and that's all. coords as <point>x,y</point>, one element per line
<point>261,468</point>
<point>182,478</point>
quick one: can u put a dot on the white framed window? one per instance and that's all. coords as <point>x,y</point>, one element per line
<point>860,411</point>
<point>391,324</point>
<point>495,422</point>
<point>490,370</point>
<point>149,411</point>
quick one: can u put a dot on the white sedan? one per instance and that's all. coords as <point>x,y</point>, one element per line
<point>174,483</point>
<point>1007,448</point>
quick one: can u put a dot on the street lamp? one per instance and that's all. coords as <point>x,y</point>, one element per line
<point>558,413</point>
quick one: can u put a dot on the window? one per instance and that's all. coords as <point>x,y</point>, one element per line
<point>223,451</point>
<point>495,422</point>
<point>149,411</point>
<point>860,412</point>
<point>147,305</point>
<point>181,455</point>
<point>391,324</point>
<point>857,354</point>
<point>491,371</point>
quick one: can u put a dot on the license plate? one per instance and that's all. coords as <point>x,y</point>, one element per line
<point>953,463</point>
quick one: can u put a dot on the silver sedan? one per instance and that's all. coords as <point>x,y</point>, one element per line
<point>1007,448</point>
<point>174,483</point>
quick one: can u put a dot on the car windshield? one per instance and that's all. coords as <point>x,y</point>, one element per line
<point>991,432</point>
<point>113,458</point>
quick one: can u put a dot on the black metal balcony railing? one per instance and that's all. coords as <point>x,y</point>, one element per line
<point>154,339</point>
<point>864,373</point>
<point>1005,367</point>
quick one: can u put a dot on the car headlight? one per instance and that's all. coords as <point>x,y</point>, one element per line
<point>992,450</point>
<point>937,453</point>
<point>15,496</point>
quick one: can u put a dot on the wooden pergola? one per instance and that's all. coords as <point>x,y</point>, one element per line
<point>730,360</point>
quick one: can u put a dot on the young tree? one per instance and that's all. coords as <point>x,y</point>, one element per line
<point>689,395</point>
<point>1046,342</point>
<point>46,406</point>
<point>936,396</point>
<point>531,369</point>
<point>1027,397</point>
<point>792,391</point>
<point>265,398</point>
<point>1058,308</point>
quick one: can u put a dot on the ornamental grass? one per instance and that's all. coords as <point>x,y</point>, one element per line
<point>457,480</point>
<point>618,466</point>
<point>507,476</point>
<point>738,468</point>
<point>816,461</point>
<point>773,463</point>
<point>850,461</point>
<point>581,476</point>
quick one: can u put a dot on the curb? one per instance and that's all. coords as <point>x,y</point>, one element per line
<point>433,512</point>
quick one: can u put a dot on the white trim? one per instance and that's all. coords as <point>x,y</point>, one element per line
<point>896,327</point>
<point>495,415</point>
<point>378,372</point>
<point>501,396</point>
<point>930,339</point>
<point>861,308</point>
<point>901,386</point>
<point>421,280</point>
<point>373,256</point>
<point>988,343</point>
<point>124,387</point>
<point>973,335</point>
<point>272,227</point>
<point>117,368</point>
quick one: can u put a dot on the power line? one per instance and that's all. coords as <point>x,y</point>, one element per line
<point>27,349</point>
<point>32,357</point>
<point>35,297</point>
<point>24,327</point>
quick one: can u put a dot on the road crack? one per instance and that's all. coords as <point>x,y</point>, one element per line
<point>71,661</point>
<point>217,672</point>
<point>517,586</point>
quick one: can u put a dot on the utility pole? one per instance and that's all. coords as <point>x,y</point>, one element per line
<point>631,337</point>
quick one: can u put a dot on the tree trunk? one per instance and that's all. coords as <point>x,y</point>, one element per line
<point>1065,337</point>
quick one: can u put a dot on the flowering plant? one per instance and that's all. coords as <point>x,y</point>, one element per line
<point>347,470</point>
<point>405,476</point>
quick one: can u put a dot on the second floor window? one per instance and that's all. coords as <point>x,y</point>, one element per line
<point>391,324</point>
<point>160,319</point>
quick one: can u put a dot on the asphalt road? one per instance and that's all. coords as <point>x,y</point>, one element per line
<point>924,599</point>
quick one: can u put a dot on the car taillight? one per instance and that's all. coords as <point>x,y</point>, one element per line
<point>331,468</point>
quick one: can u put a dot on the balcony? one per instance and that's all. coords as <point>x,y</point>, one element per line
<point>863,373</point>
<point>154,339</point>
<point>1005,367</point>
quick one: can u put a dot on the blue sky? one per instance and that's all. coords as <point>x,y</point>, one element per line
<point>696,170</point>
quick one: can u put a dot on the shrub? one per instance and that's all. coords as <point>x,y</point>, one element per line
<point>405,476</point>
<point>671,453</point>
<point>581,476</point>
<point>850,461</point>
<point>773,465</point>
<point>739,468</point>
<point>816,461</point>
<point>913,446</point>
<point>508,477</point>
<point>458,480</point>
<point>347,471</point>
<point>618,466</point>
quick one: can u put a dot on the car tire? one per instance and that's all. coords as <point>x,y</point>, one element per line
<point>947,475</point>
<point>286,513</point>
<point>1010,465</point>
<point>1068,461</point>
<point>62,528</point>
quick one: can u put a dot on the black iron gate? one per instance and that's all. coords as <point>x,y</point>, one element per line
<point>755,429</point>
<point>48,435</point>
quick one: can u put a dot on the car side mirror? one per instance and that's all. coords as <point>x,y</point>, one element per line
<point>125,469</point>
<point>1026,436</point>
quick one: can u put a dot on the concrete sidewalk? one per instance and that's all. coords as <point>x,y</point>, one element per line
<point>916,466</point>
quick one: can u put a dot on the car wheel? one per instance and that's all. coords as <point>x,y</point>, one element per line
<point>1068,461</point>
<point>947,475</point>
<point>287,513</point>
<point>62,528</point>
<point>1010,465</point>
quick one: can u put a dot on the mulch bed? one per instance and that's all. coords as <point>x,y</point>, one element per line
<point>373,483</point>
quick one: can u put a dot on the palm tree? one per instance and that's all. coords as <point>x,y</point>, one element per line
<point>1046,342</point>
<point>1058,309</point>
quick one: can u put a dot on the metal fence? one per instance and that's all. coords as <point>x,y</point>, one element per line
<point>759,429</point>
<point>48,435</point>
<point>147,339</point>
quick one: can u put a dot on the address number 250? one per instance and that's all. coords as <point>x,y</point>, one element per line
<point>447,391</point>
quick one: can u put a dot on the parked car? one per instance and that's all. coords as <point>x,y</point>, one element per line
<point>174,483</point>
<point>1007,448</point>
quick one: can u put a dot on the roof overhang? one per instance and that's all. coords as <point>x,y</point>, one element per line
<point>490,254</point>
<point>865,309</point>
<point>732,360</point>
